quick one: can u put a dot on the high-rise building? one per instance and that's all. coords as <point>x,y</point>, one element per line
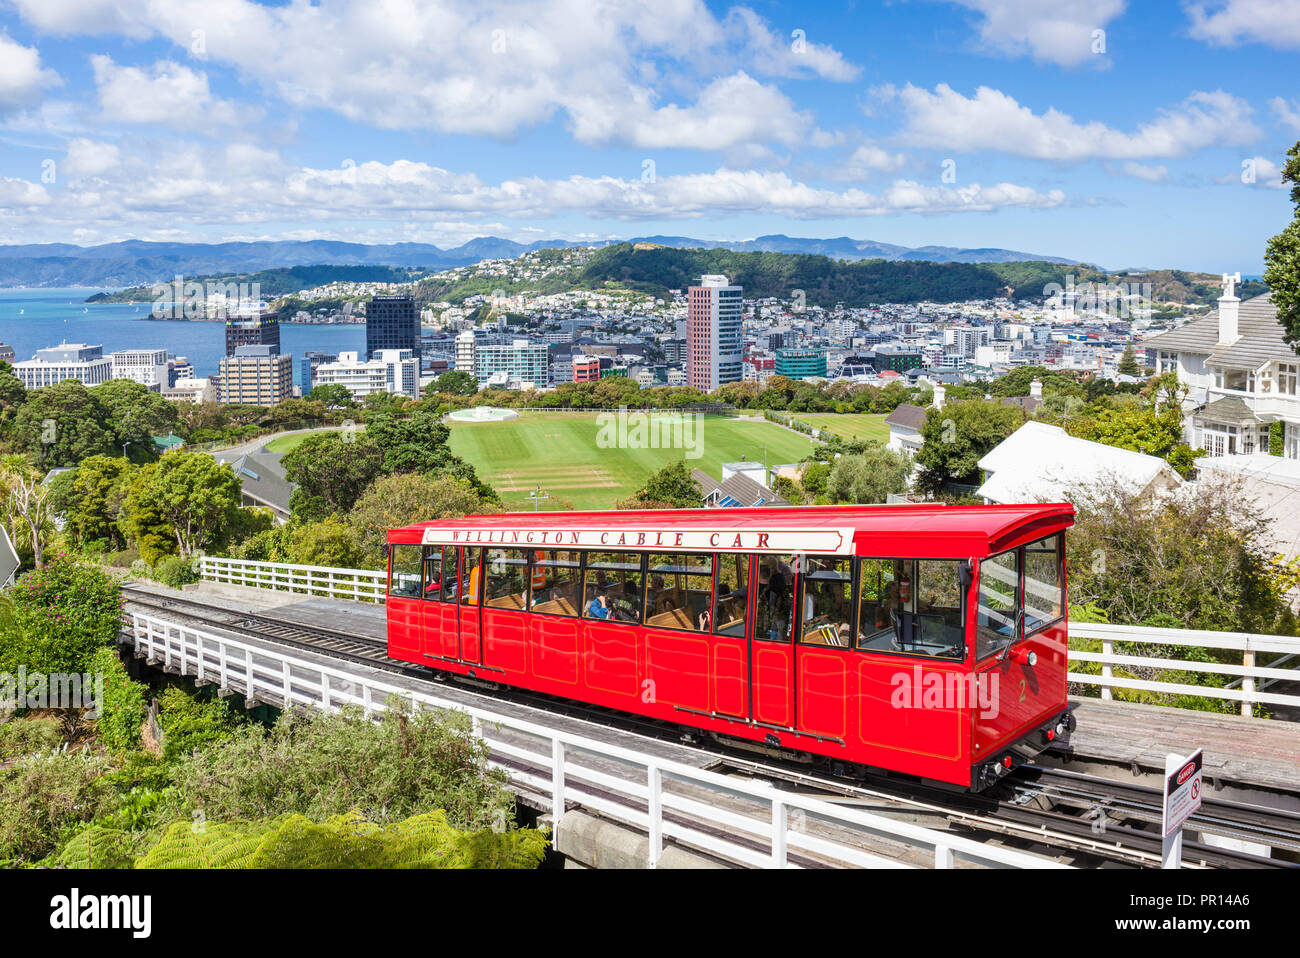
<point>261,330</point>
<point>714,340</point>
<point>148,367</point>
<point>521,365</point>
<point>800,363</point>
<point>308,363</point>
<point>392,322</point>
<point>87,364</point>
<point>465,346</point>
<point>256,376</point>
<point>401,371</point>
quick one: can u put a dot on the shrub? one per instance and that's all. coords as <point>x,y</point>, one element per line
<point>19,737</point>
<point>343,841</point>
<point>62,613</point>
<point>44,798</point>
<point>123,709</point>
<point>175,572</point>
<point>189,722</point>
<point>332,764</point>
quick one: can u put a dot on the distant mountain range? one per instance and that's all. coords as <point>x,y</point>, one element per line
<point>139,263</point>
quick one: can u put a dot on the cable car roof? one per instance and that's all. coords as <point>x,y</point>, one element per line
<point>929,530</point>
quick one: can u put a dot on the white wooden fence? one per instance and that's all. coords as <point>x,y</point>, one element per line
<point>1248,686</point>
<point>726,816</point>
<point>1249,680</point>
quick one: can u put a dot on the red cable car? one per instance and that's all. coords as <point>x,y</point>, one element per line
<point>928,640</point>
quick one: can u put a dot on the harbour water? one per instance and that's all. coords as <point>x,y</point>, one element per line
<point>31,319</point>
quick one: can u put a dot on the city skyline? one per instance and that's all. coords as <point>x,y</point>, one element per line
<point>1109,132</point>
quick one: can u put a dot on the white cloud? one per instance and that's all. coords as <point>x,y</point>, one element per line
<point>22,78</point>
<point>992,120</point>
<point>200,190</point>
<point>865,161</point>
<point>1257,171</point>
<point>1152,174</point>
<point>1287,113</point>
<point>167,94</point>
<point>626,73</point>
<point>1061,31</point>
<point>88,158</point>
<point>1273,22</point>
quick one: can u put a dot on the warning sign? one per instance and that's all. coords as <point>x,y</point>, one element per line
<point>1182,790</point>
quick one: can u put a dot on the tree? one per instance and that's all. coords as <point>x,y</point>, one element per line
<point>61,425</point>
<point>134,415</point>
<point>195,494</point>
<point>99,487</point>
<point>957,437</point>
<point>420,444</point>
<point>671,487</point>
<point>455,381</point>
<point>142,521</point>
<point>27,501</point>
<point>331,471</point>
<point>1128,365</point>
<point>329,542</point>
<point>1282,259</point>
<point>406,498</point>
<point>870,477</point>
<point>1199,555</point>
<point>333,396</point>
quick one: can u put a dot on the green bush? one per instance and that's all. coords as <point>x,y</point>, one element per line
<point>175,572</point>
<point>343,841</point>
<point>123,559</point>
<point>330,764</point>
<point>62,613</point>
<point>26,736</point>
<point>189,721</point>
<point>123,709</point>
<point>45,797</point>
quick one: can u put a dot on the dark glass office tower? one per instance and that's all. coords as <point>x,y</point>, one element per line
<point>263,330</point>
<point>392,322</point>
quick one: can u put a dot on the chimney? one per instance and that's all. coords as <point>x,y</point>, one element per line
<point>1228,307</point>
<point>1036,389</point>
<point>939,393</point>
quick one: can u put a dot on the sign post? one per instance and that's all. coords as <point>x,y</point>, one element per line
<point>1181,800</point>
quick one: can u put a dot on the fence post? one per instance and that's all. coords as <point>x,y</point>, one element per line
<point>557,781</point>
<point>780,821</point>
<point>1248,684</point>
<point>943,856</point>
<point>287,688</point>
<point>1107,673</point>
<point>656,813</point>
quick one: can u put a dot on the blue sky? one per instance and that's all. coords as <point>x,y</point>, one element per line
<point>1112,131</point>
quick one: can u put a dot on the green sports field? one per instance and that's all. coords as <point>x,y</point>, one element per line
<point>289,443</point>
<point>560,451</point>
<point>856,426</point>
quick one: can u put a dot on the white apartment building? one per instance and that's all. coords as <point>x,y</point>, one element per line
<point>146,366</point>
<point>1241,376</point>
<point>966,339</point>
<point>387,371</point>
<point>191,390</point>
<point>88,364</point>
<point>465,345</point>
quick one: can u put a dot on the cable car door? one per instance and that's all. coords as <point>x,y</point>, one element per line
<point>470,604</point>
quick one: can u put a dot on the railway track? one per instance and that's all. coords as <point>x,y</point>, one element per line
<point>1053,808</point>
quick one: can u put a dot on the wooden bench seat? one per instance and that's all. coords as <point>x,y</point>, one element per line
<point>673,619</point>
<point>514,601</point>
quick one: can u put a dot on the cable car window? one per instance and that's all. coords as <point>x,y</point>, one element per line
<point>732,596</point>
<point>506,579</point>
<point>775,598</point>
<point>471,586</point>
<point>1043,581</point>
<point>553,582</point>
<point>448,590</point>
<point>997,622</point>
<point>612,589</point>
<point>911,607</point>
<point>678,591</point>
<point>404,574</point>
<point>826,601</point>
<point>433,573</point>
